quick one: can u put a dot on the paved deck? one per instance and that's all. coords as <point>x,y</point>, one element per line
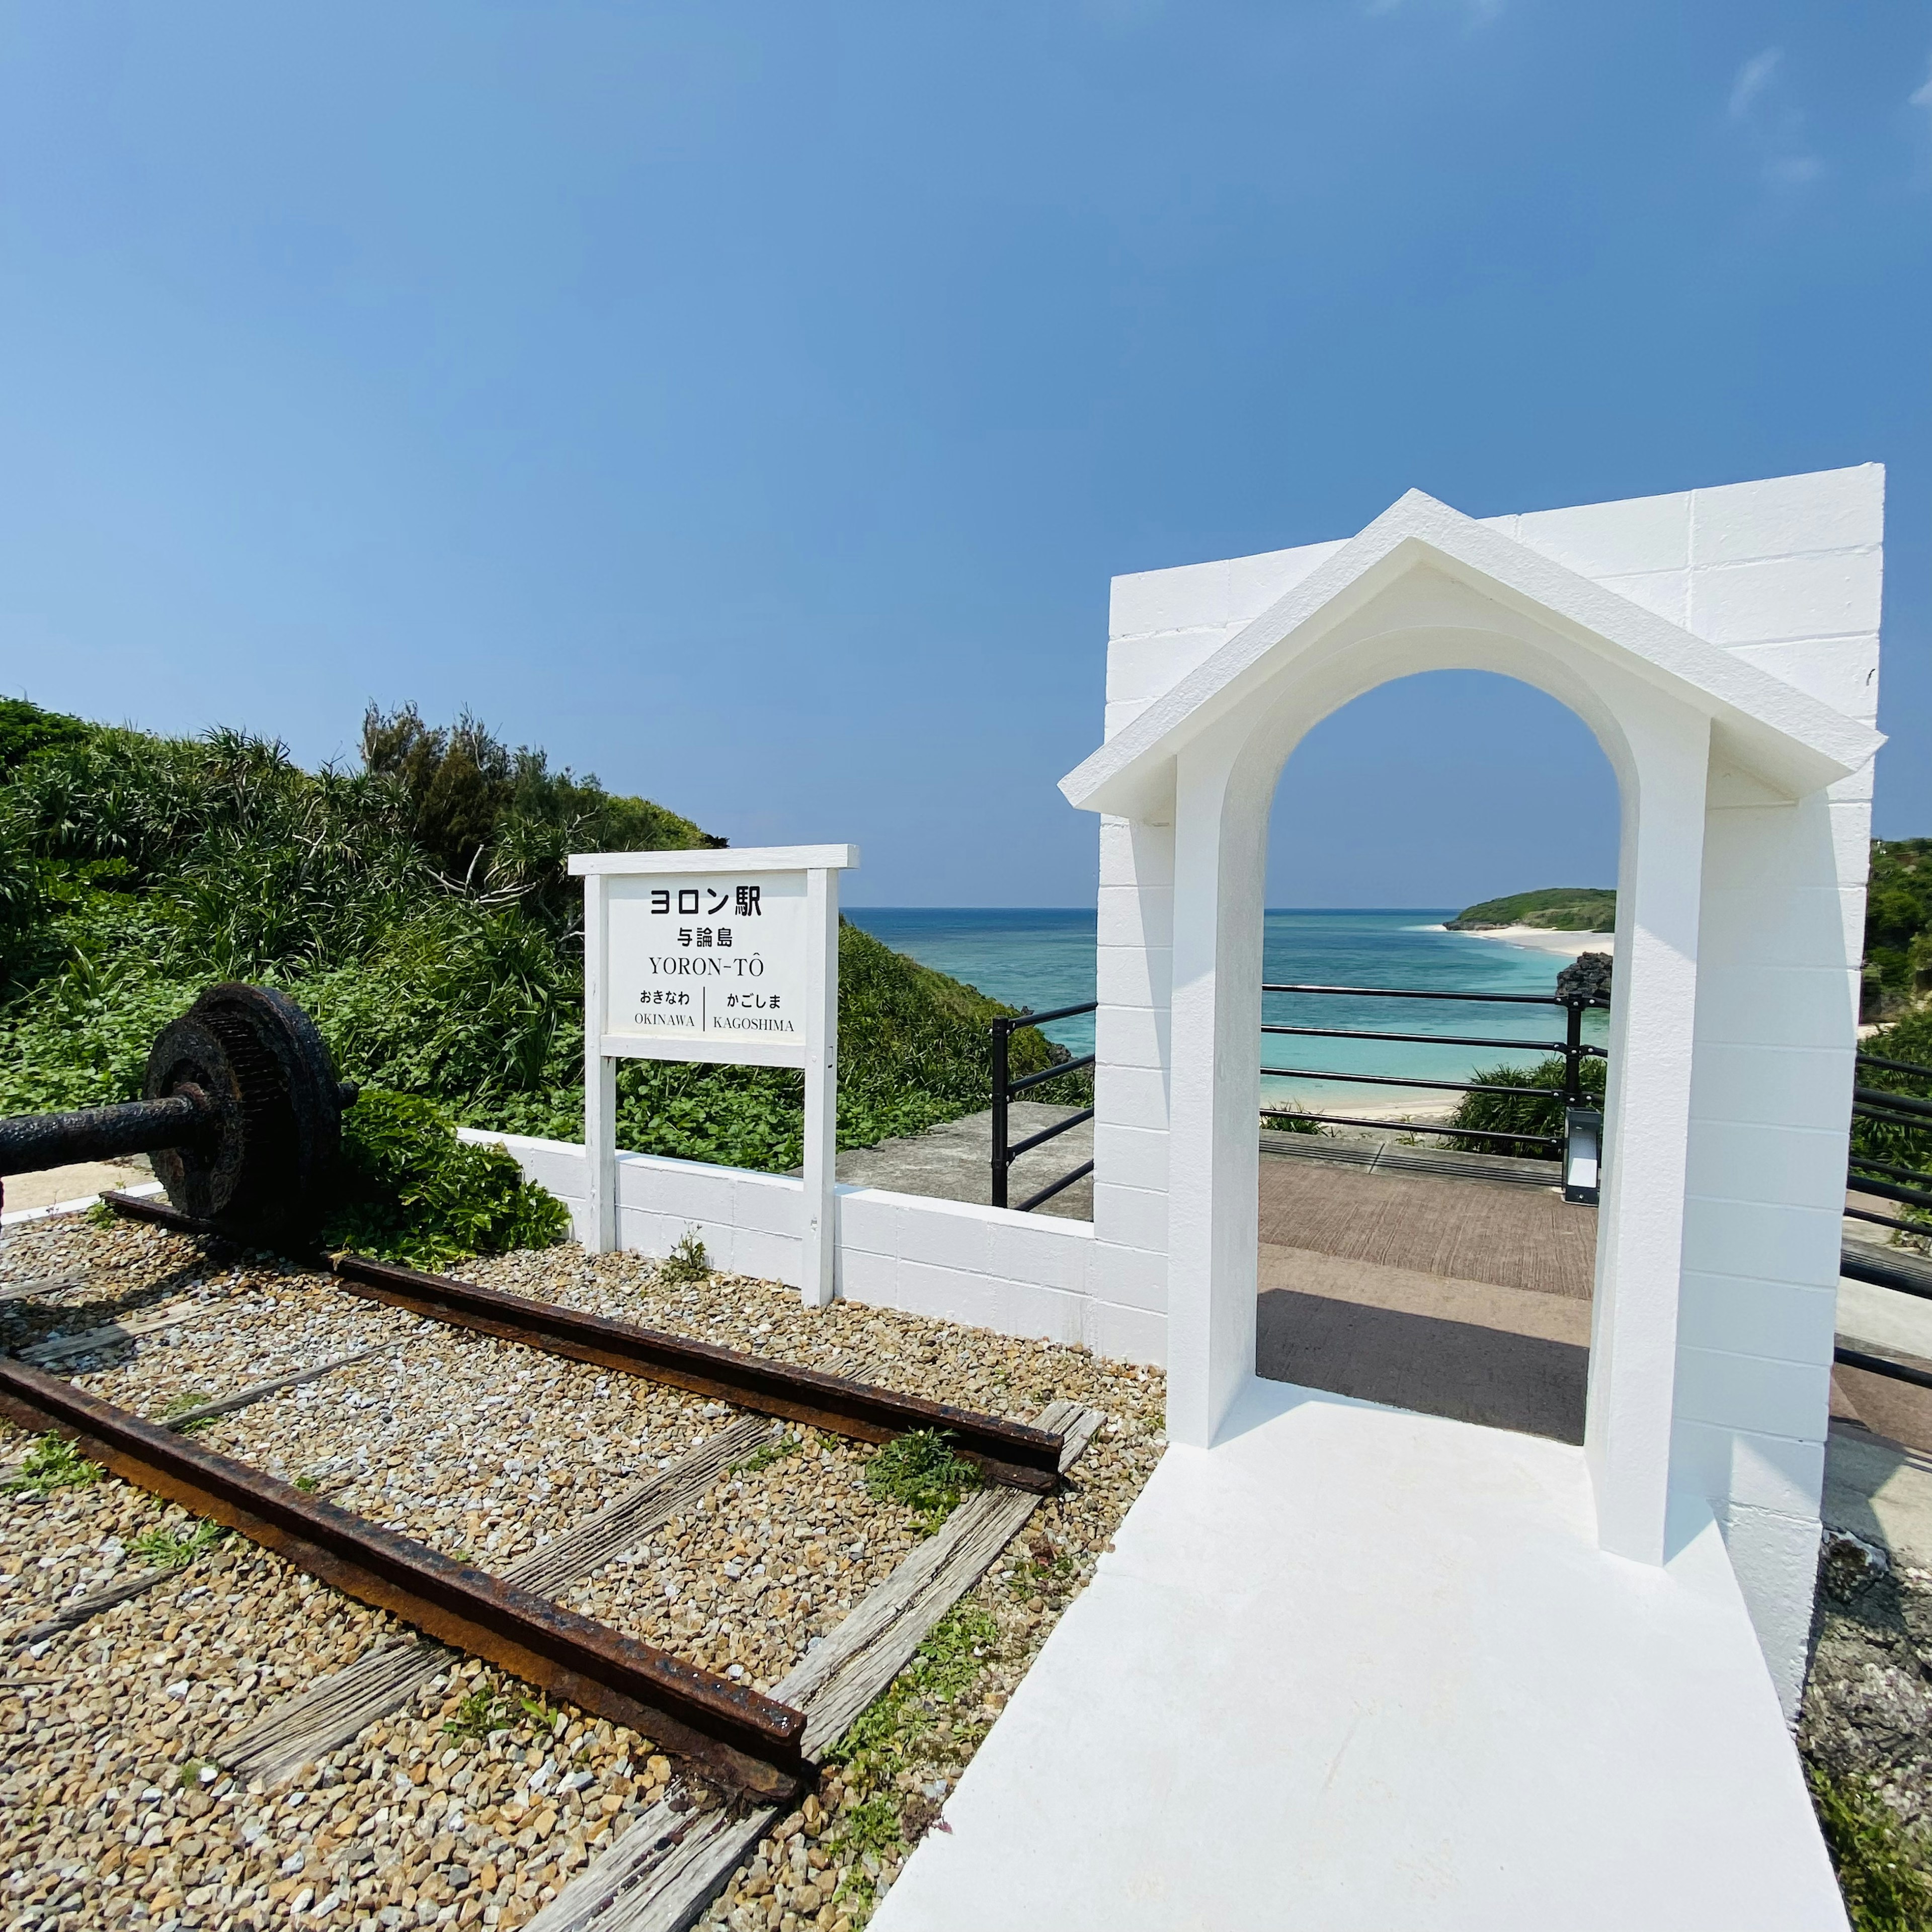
<point>1356,1670</point>
<point>1468,1298</point>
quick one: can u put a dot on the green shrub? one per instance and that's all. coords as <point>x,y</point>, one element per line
<point>1519,1113</point>
<point>419,909</point>
<point>1898,919</point>
<point>25,729</point>
<point>1291,1124</point>
<point>687,1261</point>
<point>412,1192</point>
<point>921,1470</point>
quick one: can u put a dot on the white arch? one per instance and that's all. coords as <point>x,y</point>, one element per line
<point>1225,783</point>
<point>1744,808</point>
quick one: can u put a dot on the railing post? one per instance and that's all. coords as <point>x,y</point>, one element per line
<point>1001,1031</point>
<point>1572,1053</point>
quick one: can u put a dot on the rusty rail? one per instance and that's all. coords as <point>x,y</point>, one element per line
<point>1008,1452</point>
<point>151,1207</point>
<point>735,1734</point>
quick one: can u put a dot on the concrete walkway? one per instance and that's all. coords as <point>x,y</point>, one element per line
<point>954,1161</point>
<point>53,1185</point>
<point>1356,1670</point>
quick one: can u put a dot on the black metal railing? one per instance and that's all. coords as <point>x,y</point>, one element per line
<point>1882,1180</point>
<point>1572,1047</point>
<point>1006,1150</point>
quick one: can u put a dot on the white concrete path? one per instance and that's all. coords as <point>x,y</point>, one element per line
<point>1361,1670</point>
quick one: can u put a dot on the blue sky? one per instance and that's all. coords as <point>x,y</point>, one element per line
<point>750,404</point>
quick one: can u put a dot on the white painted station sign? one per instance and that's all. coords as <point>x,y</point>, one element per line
<point>708,960</point>
<point>715,955</point>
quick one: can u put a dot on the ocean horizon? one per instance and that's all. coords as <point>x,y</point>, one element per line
<point>1044,957</point>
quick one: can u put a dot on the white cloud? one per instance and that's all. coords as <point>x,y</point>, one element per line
<point>1769,121</point>
<point>1923,97</point>
<point>1754,77</point>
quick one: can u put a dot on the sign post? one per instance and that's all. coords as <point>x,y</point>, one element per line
<point>727,956</point>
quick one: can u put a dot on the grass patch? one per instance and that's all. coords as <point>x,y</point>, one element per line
<point>1884,1867</point>
<point>54,1463</point>
<point>891,1734</point>
<point>687,1262</point>
<point>765,1455</point>
<point>185,1404</point>
<point>879,1746</point>
<point>873,1829</point>
<point>165,1549</point>
<point>492,1706</point>
<point>1291,1124</point>
<point>921,1470</point>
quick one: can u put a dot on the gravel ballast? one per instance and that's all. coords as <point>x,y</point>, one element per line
<point>475,1803</point>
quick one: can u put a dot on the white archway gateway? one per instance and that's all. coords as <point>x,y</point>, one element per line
<point>1722,645</point>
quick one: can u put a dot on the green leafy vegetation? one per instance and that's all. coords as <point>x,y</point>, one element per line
<point>921,1470</point>
<point>1520,1113</point>
<point>493,1706</point>
<point>1884,1866</point>
<point>418,907</point>
<point>687,1261</point>
<point>892,1734</point>
<point>412,1192</point>
<point>1555,908</point>
<point>52,1462</point>
<point>166,1549</point>
<point>1898,926</point>
<point>1291,1124</point>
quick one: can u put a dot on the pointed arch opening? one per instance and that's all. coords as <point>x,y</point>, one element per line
<point>1398,1262</point>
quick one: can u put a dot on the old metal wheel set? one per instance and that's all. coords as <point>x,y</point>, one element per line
<point>242,1114</point>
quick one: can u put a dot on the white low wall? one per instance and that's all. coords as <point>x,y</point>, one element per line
<point>1033,1275</point>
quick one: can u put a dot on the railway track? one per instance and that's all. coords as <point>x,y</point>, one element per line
<point>762,1747</point>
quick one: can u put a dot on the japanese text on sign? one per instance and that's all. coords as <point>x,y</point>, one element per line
<point>697,959</point>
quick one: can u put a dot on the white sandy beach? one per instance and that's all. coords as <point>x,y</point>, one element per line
<point>1394,1104</point>
<point>1539,939</point>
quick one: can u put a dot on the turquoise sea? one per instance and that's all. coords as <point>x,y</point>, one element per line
<point>1045,958</point>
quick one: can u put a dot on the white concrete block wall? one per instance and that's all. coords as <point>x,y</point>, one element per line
<point>1134,965</point>
<point>1033,1275</point>
<point>1786,574</point>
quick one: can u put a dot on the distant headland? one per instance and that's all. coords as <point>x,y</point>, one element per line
<point>1554,909</point>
